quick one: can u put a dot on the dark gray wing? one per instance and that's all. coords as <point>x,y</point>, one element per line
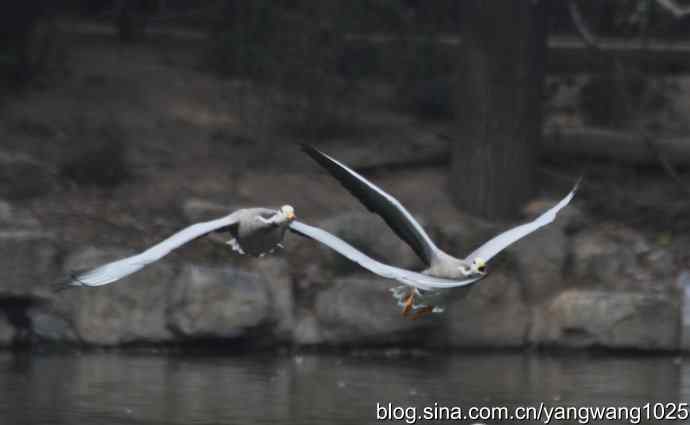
<point>116,270</point>
<point>232,229</point>
<point>379,202</point>
<point>414,279</point>
<point>489,249</point>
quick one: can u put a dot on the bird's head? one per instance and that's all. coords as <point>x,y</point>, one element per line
<point>476,267</point>
<point>288,212</point>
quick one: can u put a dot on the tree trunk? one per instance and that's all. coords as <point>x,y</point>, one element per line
<point>498,98</point>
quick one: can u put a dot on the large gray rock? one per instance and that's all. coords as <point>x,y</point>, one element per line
<point>491,313</point>
<point>218,302</point>
<point>541,257</point>
<point>361,311</point>
<point>618,258</point>
<point>276,273</point>
<point>132,310</point>
<point>51,324</point>
<point>540,260</point>
<point>23,177</point>
<point>589,318</point>
<point>307,330</point>
<point>30,257</point>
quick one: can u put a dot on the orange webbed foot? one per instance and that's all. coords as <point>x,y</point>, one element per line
<point>422,312</point>
<point>407,305</point>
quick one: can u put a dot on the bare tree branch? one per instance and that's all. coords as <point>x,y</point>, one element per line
<point>624,147</point>
<point>581,25</point>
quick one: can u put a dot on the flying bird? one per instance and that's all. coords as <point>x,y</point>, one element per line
<point>442,270</point>
<point>253,231</point>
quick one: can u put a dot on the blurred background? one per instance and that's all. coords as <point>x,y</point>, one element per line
<point>123,121</point>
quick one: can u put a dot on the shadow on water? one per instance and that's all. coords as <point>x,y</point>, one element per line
<point>114,388</point>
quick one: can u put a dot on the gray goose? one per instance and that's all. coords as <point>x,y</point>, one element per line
<point>443,270</point>
<point>254,231</point>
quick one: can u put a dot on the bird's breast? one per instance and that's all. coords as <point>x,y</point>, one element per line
<point>261,241</point>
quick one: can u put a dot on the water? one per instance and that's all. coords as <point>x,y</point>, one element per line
<point>116,388</point>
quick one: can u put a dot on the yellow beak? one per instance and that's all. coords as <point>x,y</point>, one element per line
<point>291,216</point>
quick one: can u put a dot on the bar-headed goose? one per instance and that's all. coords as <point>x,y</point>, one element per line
<point>443,270</point>
<point>253,231</point>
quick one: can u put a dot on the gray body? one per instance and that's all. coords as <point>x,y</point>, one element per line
<point>444,265</point>
<point>254,236</point>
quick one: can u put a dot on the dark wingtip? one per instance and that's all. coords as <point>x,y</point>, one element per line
<point>323,159</point>
<point>578,182</point>
<point>310,150</point>
<point>67,283</point>
<point>61,285</point>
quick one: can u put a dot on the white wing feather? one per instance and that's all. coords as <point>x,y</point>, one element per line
<point>489,249</point>
<point>414,279</point>
<point>116,270</point>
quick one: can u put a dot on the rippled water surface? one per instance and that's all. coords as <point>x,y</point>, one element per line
<point>116,388</point>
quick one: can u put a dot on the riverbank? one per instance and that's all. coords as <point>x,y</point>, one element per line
<point>99,164</point>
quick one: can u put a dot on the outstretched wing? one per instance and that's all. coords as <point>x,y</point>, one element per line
<point>414,279</point>
<point>116,270</point>
<point>379,202</point>
<point>503,240</point>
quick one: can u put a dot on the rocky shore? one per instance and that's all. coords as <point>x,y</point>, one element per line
<point>577,284</point>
